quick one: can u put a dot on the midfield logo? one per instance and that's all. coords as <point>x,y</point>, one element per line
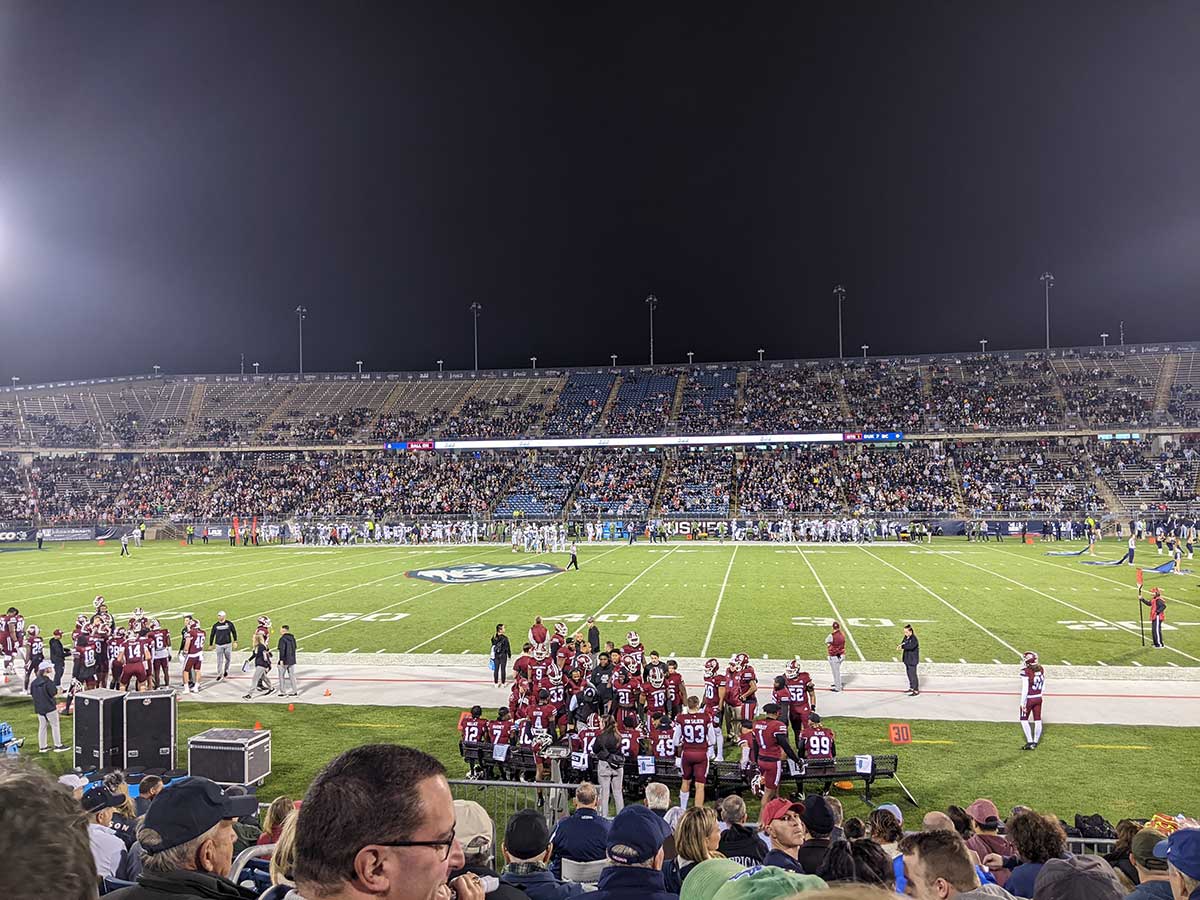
<point>472,573</point>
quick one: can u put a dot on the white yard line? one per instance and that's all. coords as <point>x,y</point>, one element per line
<point>842,621</point>
<point>942,600</point>
<point>92,572</point>
<point>636,577</point>
<point>1046,562</point>
<point>716,609</point>
<point>1078,609</point>
<point>540,582</point>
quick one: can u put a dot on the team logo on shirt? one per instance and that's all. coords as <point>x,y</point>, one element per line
<point>472,573</point>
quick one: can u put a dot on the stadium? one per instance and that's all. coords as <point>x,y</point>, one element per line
<point>400,629</point>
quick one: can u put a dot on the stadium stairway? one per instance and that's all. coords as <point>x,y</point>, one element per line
<point>602,419</point>
<point>672,424</point>
<point>960,502</point>
<point>655,504</point>
<point>195,407</point>
<point>1162,394</point>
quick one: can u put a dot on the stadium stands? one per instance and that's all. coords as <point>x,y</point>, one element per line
<point>579,404</point>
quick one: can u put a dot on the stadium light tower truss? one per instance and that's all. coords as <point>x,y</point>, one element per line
<point>301,312</point>
<point>475,308</point>
<point>613,357</point>
<point>690,355</point>
<point>156,369</point>
<point>983,342</point>
<point>864,348</point>
<point>839,293</point>
<point>652,302</point>
<point>1104,338</point>
<point>533,359</point>
<point>256,365</point>
<point>440,362</point>
<point>359,362</point>
<point>761,351</point>
<point>1048,280</point>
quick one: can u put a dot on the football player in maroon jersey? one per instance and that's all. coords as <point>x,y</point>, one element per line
<point>473,730</point>
<point>540,664</point>
<point>160,653</point>
<point>134,651</point>
<point>627,691</point>
<point>8,639</point>
<point>695,736</point>
<point>193,647</point>
<point>101,634</point>
<point>676,691</point>
<point>714,700</point>
<point>631,736</point>
<point>662,739</point>
<point>733,697</point>
<point>802,696</point>
<point>522,663</point>
<point>633,649</point>
<point>85,659</point>
<point>584,739</point>
<point>655,691</point>
<point>35,652</point>
<point>538,632</point>
<point>1033,680</point>
<point>115,665</point>
<point>748,685</point>
<point>770,746</point>
<point>558,640</point>
<point>817,743</point>
<point>518,698</point>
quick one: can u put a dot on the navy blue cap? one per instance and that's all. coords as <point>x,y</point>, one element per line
<point>1182,850</point>
<point>636,835</point>
<point>187,808</point>
<point>100,798</point>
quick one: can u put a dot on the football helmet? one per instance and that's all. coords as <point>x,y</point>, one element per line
<point>541,652</point>
<point>154,624</point>
<point>593,721</point>
<point>554,674</point>
<point>1031,658</point>
<point>81,620</point>
<point>711,668</point>
<point>631,665</point>
<point>561,629</point>
<point>542,741</point>
<point>757,785</point>
<point>33,631</point>
<point>792,669</point>
<point>139,613</point>
<point>98,602</point>
<point>742,661</point>
<point>120,634</point>
<point>264,621</point>
<point>656,678</point>
<point>634,639</point>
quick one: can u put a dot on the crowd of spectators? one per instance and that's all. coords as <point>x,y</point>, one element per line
<point>380,820</point>
<point>642,404</point>
<point>697,483</point>
<point>1048,477</point>
<point>789,482</point>
<point>404,424</point>
<point>619,484</point>
<point>75,489</point>
<point>708,404</point>
<point>1183,405</point>
<point>1138,474</point>
<point>992,395</point>
<point>579,404</point>
<point>904,480</point>
<point>50,431</point>
<point>790,400</point>
<point>542,483</point>
<point>14,498</point>
<point>884,396</point>
<point>504,417</point>
<point>332,428</point>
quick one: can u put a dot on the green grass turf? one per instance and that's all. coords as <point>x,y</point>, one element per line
<point>1076,769</point>
<point>974,602</point>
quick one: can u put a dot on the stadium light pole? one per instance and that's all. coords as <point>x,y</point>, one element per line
<point>983,346</point>
<point>1048,280</point>
<point>840,293</point>
<point>358,362</point>
<point>865,348</point>
<point>475,309</point>
<point>1122,332</point>
<point>256,365</point>
<point>533,359</point>
<point>241,363</point>
<point>301,312</point>
<point>613,357</point>
<point>690,355</point>
<point>1104,339</point>
<point>439,362</point>
<point>15,379</point>
<point>157,369</point>
<point>761,351</point>
<point>652,302</point>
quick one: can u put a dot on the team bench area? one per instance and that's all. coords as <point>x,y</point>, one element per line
<point>516,763</point>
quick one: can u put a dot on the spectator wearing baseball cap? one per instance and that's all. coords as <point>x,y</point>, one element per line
<point>1078,878</point>
<point>108,850</point>
<point>475,831</point>
<point>187,836</point>
<point>782,821</point>
<point>635,854</point>
<point>985,821</point>
<point>42,691</point>
<point>818,822</point>
<point>767,883</point>
<point>527,858</point>
<point>1154,882</point>
<point>1182,853</point>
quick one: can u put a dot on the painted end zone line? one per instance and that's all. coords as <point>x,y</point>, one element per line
<point>947,603</point>
<point>716,609</point>
<point>821,585</point>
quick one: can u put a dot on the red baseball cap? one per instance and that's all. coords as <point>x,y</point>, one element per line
<point>778,808</point>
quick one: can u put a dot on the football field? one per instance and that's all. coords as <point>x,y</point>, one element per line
<point>969,603</point>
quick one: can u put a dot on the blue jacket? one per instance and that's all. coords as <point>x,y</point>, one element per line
<point>1151,890</point>
<point>542,885</point>
<point>581,837</point>
<point>1020,883</point>
<point>631,883</point>
<point>783,861</point>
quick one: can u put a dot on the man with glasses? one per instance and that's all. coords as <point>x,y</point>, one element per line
<point>378,822</point>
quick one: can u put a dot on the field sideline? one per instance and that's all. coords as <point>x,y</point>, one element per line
<point>970,603</point>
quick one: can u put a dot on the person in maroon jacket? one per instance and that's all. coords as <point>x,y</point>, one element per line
<point>836,648</point>
<point>1158,612</point>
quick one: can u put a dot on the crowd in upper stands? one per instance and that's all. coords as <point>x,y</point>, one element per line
<point>1046,477</point>
<point>618,485</point>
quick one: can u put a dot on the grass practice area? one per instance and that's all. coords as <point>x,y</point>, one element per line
<point>1083,769</point>
<point>969,602</point>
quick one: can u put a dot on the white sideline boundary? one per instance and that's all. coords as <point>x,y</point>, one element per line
<point>712,623</point>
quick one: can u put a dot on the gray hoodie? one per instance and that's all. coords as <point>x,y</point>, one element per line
<point>984,891</point>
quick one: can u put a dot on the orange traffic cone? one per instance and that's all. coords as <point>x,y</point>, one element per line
<point>291,707</point>
<point>258,726</point>
<point>328,692</point>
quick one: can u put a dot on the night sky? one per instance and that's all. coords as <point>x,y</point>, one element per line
<point>176,177</point>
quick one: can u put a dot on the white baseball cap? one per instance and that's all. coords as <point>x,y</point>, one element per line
<point>44,665</point>
<point>221,614</point>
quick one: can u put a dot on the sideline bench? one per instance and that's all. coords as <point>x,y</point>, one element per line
<point>724,777</point>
